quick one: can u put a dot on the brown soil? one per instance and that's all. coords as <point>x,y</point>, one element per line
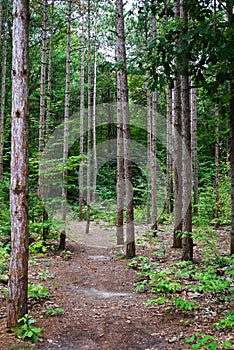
<point>102,310</point>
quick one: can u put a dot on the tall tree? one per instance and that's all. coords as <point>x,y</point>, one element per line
<point>121,60</point>
<point>231,26</point>
<point>154,146</point>
<point>177,145</point>
<point>217,163</point>
<point>62,244</point>
<point>3,90</point>
<point>120,161</point>
<point>89,125</point>
<point>169,169</point>
<point>42,93</point>
<point>18,269</point>
<point>49,73</point>
<point>82,86</point>
<point>187,243</point>
<point>94,120</point>
<point>194,143</point>
<point>0,18</point>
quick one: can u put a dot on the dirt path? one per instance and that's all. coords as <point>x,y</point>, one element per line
<point>102,310</point>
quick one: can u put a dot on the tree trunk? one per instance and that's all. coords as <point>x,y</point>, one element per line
<point>89,126</point>
<point>42,97</point>
<point>169,151</point>
<point>82,81</point>
<point>187,242</point>
<point>18,270</point>
<point>121,59</point>
<point>154,149</point>
<point>94,125</point>
<point>62,244</point>
<point>48,110</point>
<point>231,25</point>
<point>217,164</point>
<point>149,148</point>
<point>194,142</point>
<point>232,166</point>
<point>177,144</point>
<point>120,170</point>
<point>0,19</point>
<point>3,95</point>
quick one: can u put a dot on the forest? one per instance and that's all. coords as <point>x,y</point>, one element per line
<point>117,174</point>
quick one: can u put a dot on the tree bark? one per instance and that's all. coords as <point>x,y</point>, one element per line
<point>177,144</point>
<point>187,242</point>
<point>48,110</point>
<point>0,19</point>
<point>94,123</point>
<point>121,59</point>
<point>169,151</point>
<point>62,244</point>
<point>217,164</point>
<point>232,165</point>
<point>82,81</point>
<point>18,270</point>
<point>42,97</point>
<point>195,155</point>
<point>154,149</point>
<point>3,92</point>
<point>231,25</point>
<point>120,170</point>
<point>89,127</point>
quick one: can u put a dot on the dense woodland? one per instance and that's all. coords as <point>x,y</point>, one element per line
<point>115,112</point>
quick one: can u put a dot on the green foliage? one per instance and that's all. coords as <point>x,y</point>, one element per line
<point>27,330</point>
<point>183,304</point>
<point>38,291</point>
<point>54,311</point>
<point>43,275</point>
<point>214,277</point>
<point>226,322</point>
<point>38,247</point>
<point>205,342</point>
<point>210,282</point>
<point>206,205</point>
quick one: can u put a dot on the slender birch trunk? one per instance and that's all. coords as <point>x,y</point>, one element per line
<point>89,127</point>
<point>48,110</point>
<point>194,143</point>
<point>17,303</point>
<point>177,144</point>
<point>82,83</point>
<point>62,244</point>
<point>121,59</point>
<point>3,92</point>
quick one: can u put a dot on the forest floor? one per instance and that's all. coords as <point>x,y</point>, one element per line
<point>102,309</point>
